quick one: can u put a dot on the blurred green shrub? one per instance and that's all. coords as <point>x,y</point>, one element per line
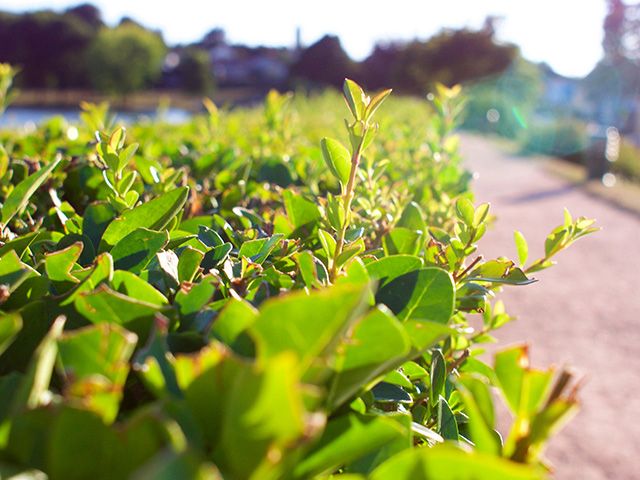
<point>628,163</point>
<point>563,137</point>
<point>504,104</point>
<point>126,58</point>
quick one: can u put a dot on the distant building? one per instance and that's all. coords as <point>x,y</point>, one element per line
<point>562,93</point>
<point>612,90</point>
<point>242,66</point>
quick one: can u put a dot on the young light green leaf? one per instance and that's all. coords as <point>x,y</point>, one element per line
<point>328,243</point>
<point>465,211</point>
<point>521,247</point>
<point>355,97</point>
<point>480,215</point>
<point>337,158</point>
<point>375,102</point>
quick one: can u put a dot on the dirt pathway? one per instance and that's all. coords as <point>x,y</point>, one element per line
<point>582,312</point>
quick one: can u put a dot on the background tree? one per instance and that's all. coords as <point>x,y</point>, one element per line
<point>48,47</point>
<point>194,72</point>
<point>614,83</point>
<point>376,72</point>
<point>88,13</point>
<point>504,103</point>
<point>126,58</point>
<point>324,63</point>
<point>450,57</point>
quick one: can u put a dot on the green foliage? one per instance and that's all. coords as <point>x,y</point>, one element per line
<point>194,71</point>
<point>628,162</point>
<point>7,75</point>
<point>125,59</point>
<point>504,104</point>
<point>236,298</point>
<point>563,137</point>
<point>48,46</point>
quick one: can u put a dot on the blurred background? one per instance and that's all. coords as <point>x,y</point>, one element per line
<point>560,78</point>
<point>552,78</point>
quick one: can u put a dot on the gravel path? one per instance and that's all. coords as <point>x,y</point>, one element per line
<point>582,312</point>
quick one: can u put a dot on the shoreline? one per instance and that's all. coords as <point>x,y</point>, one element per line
<point>144,101</point>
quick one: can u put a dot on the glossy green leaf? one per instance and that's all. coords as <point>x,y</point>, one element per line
<point>189,264</point>
<point>524,388</point>
<point>95,221</point>
<point>100,273</point>
<point>481,214</point>
<point>510,365</point>
<point>35,382</point>
<point>13,272</point>
<point>308,270</point>
<point>347,438</point>
<point>192,300</point>
<point>412,218</point>
<point>386,393</point>
<point>154,215</point>
<point>214,257</point>
<point>479,408</point>
<point>328,243</point>
<point>355,97</point>
<point>375,103</point>
<point>438,375</point>
<point>424,334</point>
<point>549,421</point>
<point>264,410</point>
<point>364,357</point>
<point>447,425</point>
<point>465,211</point>
<point>301,212</point>
<point>499,271</point>
<point>308,325</point>
<point>58,265</point>
<point>95,363</point>
<point>426,294</point>
<point>10,325</point>
<point>107,306</point>
<point>17,200</point>
<point>446,462</point>
<point>337,158</point>
<point>258,250</point>
<point>236,317</point>
<point>134,252</point>
<point>133,286</point>
<point>401,241</point>
<point>521,247</point>
<point>20,244</point>
<point>389,268</point>
<point>209,237</point>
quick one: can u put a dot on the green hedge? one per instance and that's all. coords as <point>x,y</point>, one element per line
<point>236,298</point>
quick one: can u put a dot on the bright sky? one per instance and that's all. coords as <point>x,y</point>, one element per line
<point>566,34</point>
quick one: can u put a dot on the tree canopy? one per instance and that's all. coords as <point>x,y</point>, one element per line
<point>125,58</point>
